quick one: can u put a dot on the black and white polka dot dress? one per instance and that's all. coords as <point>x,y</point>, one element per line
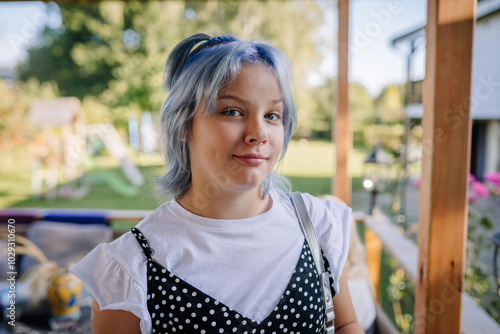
<point>176,306</point>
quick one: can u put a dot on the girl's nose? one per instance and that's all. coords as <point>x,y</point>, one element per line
<point>256,133</point>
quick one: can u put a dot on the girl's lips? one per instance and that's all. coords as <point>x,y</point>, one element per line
<point>251,159</point>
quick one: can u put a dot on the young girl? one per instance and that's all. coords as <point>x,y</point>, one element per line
<point>226,254</point>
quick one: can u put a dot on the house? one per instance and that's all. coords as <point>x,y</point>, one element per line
<point>485,87</point>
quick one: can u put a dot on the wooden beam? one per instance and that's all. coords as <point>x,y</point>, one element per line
<point>445,166</point>
<point>342,123</point>
<point>373,247</point>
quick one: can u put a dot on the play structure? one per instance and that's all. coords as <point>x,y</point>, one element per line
<point>65,148</point>
<point>115,146</point>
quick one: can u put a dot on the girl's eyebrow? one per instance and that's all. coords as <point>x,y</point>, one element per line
<point>230,97</point>
<point>239,99</point>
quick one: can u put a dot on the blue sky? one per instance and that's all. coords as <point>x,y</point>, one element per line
<point>373,23</point>
<point>19,25</point>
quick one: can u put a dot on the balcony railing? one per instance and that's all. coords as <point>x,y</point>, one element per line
<point>381,233</point>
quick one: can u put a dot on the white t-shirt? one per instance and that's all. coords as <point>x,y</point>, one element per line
<point>245,264</point>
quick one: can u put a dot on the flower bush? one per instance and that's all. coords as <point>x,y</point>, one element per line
<point>479,282</point>
<point>493,179</point>
<point>477,190</point>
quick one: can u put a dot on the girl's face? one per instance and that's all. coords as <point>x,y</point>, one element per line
<point>235,148</point>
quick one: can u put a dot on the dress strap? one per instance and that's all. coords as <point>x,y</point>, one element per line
<point>143,242</point>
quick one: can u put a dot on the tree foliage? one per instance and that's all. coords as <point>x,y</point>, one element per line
<point>14,130</point>
<point>360,109</point>
<point>389,105</point>
<point>111,54</point>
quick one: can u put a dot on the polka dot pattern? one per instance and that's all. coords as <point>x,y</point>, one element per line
<point>176,306</point>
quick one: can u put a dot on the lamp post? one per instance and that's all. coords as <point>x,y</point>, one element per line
<point>375,174</point>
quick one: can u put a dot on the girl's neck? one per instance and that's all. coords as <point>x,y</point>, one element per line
<point>226,205</point>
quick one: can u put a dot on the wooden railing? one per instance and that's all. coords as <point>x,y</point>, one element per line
<point>381,233</point>
<point>119,219</point>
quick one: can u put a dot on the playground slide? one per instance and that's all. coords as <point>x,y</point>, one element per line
<point>117,149</point>
<point>114,181</point>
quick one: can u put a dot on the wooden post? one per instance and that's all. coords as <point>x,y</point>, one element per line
<point>445,166</point>
<point>373,247</point>
<point>342,122</point>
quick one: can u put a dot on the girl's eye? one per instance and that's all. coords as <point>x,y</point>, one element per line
<point>272,117</point>
<point>231,112</point>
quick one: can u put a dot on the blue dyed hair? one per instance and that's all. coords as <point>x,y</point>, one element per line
<point>196,69</point>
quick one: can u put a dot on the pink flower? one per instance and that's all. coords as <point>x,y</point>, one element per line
<point>416,182</point>
<point>477,190</point>
<point>493,177</point>
<point>472,178</point>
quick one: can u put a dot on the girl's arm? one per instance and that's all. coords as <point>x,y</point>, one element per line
<point>113,321</point>
<point>345,318</point>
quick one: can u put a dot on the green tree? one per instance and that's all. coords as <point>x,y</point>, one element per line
<point>115,51</point>
<point>389,105</point>
<point>52,59</point>
<point>361,109</point>
<point>389,112</point>
<point>15,100</point>
<point>112,50</point>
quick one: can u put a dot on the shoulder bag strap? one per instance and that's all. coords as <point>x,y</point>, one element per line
<point>312,241</point>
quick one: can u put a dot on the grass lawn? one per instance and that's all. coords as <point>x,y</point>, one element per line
<point>308,164</point>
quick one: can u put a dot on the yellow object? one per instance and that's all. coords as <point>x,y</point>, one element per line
<point>64,295</point>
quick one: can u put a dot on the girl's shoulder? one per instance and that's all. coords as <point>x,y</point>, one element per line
<point>126,249</point>
<point>331,219</point>
<point>319,207</point>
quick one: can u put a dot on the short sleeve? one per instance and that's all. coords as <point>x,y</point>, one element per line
<point>332,225</point>
<point>111,284</point>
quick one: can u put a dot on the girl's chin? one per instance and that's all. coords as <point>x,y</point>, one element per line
<point>248,185</point>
